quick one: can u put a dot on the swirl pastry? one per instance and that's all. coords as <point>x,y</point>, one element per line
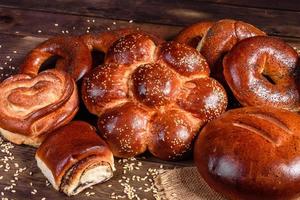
<point>152,96</point>
<point>74,157</point>
<point>32,106</point>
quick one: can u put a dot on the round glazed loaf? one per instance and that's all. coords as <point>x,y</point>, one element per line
<point>251,153</point>
<point>149,96</point>
<point>263,71</point>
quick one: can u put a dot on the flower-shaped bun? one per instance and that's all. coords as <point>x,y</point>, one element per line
<point>152,96</point>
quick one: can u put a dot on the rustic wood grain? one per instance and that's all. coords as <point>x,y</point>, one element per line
<point>17,21</point>
<point>182,13</point>
<point>27,22</point>
<point>291,5</point>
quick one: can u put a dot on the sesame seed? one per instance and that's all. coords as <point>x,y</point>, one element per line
<point>145,183</point>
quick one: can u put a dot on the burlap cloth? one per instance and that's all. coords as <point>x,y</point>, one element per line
<point>184,184</point>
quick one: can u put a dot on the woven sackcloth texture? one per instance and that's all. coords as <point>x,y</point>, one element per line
<point>184,184</point>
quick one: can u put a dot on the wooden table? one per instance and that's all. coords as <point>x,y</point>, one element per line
<point>24,24</point>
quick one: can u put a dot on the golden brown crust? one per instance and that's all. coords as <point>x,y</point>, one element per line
<point>68,145</point>
<point>142,81</point>
<point>76,57</point>
<point>34,106</point>
<point>97,91</point>
<point>193,34</point>
<point>183,59</point>
<point>215,40</point>
<point>102,41</point>
<point>265,73</point>
<point>251,153</point>
<point>155,85</point>
<point>125,128</point>
<point>130,49</point>
<point>205,98</point>
<point>172,134</point>
<point>222,36</point>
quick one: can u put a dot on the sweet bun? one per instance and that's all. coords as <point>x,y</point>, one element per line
<point>263,71</point>
<point>75,56</point>
<point>193,34</point>
<point>74,158</point>
<point>251,153</point>
<point>33,106</point>
<point>102,41</point>
<point>216,39</point>
<point>222,36</point>
<point>150,95</point>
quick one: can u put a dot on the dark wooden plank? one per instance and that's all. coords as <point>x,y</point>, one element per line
<point>169,12</point>
<point>291,5</point>
<point>19,22</point>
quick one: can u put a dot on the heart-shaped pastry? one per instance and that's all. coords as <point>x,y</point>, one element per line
<point>31,107</point>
